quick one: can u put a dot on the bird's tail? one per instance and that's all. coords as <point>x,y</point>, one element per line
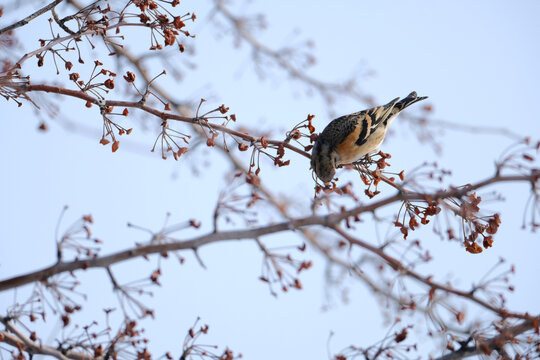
<point>408,101</point>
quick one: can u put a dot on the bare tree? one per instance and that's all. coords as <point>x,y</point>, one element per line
<point>418,198</point>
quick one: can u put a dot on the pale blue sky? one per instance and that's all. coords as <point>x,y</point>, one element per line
<point>477,61</point>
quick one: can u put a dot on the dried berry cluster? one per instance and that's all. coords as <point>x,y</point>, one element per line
<point>191,349</point>
<point>167,143</point>
<point>261,146</point>
<point>10,83</point>
<point>391,347</point>
<point>238,200</point>
<point>415,211</point>
<point>156,17</point>
<point>372,178</point>
<point>476,226</point>
<point>275,268</point>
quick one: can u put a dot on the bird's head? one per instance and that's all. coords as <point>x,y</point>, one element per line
<point>324,160</point>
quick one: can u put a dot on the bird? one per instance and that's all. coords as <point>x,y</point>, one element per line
<point>350,137</point>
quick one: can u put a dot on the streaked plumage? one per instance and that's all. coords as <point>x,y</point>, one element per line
<point>350,137</point>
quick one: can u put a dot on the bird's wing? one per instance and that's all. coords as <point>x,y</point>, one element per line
<point>338,129</point>
<point>371,119</point>
<point>380,113</point>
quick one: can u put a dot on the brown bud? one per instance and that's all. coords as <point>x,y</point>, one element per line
<point>222,109</point>
<point>401,336</point>
<point>73,76</point>
<point>493,224</point>
<point>404,231</point>
<point>109,84</point>
<point>129,77</point>
<point>178,23</point>
<point>264,143</point>
<point>460,316</point>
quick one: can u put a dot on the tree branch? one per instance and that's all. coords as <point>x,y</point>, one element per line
<point>16,338</point>
<point>330,221</point>
<point>496,343</point>
<point>29,18</point>
<point>160,114</point>
<point>398,266</point>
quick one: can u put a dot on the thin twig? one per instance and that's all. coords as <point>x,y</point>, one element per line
<point>29,18</point>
